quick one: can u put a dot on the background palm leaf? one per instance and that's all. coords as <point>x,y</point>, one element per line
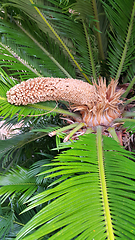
<point>36,51</point>
<point>40,23</point>
<point>25,184</point>
<point>16,193</point>
<point>121,36</point>
<point>11,149</point>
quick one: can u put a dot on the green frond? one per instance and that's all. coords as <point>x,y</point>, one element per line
<point>43,22</point>
<point>37,167</point>
<point>11,149</point>
<point>26,52</point>
<point>80,194</point>
<point>128,123</point>
<point>89,12</point>
<point>16,181</point>
<point>130,86</point>
<point>101,28</point>
<point>90,52</point>
<point>14,55</point>
<point>77,41</point>
<point>130,74</point>
<point>121,48</point>
<point>88,190</point>
<point>20,148</point>
<point>9,226</point>
<point>16,187</point>
<point>73,35</point>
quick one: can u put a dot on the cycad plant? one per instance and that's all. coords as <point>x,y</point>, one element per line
<point>69,58</point>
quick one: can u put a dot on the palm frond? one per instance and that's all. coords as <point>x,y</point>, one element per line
<point>14,55</point>
<point>10,186</point>
<point>90,12</point>
<point>73,34</point>
<point>16,187</point>
<point>13,195</point>
<point>37,167</point>
<point>43,24</point>
<point>80,196</point>
<point>121,17</point>
<point>130,73</point>
<point>101,29</point>
<point>8,227</point>
<point>91,192</point>
<point>26,53</point>
<point>11,149</point>
<point>20,149</point>
<point>129,124</point>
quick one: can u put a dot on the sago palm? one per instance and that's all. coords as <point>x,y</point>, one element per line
<point>75,53</point>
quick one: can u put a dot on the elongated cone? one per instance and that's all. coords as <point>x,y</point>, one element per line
<point>46,89</point>
<point>97,103</point>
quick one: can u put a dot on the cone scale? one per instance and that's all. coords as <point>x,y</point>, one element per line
<point>97,103</point>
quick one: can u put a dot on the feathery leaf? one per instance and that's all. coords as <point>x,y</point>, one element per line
<point>80,196</point>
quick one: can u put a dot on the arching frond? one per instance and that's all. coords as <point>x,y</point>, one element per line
<point>24,184</point>
<point>90,11</point>
<point>28,54</point>
<point>8,225</point>
<point>121,49</point>
<point>16,187</point>
<point>43,23</point>
<point>87,180</point>
<point>11,149</point>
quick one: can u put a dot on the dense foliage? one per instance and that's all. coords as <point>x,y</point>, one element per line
<point>83,188</point>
